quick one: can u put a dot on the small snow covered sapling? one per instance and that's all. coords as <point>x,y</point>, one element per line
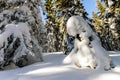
<point>87,51</point>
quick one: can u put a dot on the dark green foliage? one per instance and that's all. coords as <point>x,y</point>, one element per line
<point>107,23</point>
<point>58,12</point>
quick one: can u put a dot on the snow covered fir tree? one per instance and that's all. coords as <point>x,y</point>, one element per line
<point>87,51</point>
<point>21,33</point>
<point>107,23</point>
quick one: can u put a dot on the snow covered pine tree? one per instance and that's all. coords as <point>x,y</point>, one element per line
<point>19,21</point>
<point>87,51</point>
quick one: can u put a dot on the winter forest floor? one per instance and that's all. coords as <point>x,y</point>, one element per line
<point>53,69</point>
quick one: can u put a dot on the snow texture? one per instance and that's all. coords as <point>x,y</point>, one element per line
<point>53,69</point>
<point>87,51</point>
<point>111,2</point>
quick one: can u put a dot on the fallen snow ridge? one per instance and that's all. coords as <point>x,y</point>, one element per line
<point>53,69</point>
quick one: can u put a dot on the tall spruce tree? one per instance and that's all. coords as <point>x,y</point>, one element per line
<point>21,32</point>
<point>107,23</point>
<point>59,11</point>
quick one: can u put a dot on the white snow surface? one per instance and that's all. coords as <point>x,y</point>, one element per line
<point>53,69</point>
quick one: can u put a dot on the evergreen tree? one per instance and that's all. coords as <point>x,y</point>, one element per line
<point>87,51</point>
<point>108,26</point>
<point>21,32</point>
<point>59,11</point>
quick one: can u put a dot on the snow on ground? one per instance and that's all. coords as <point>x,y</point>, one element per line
<point>53,69</point>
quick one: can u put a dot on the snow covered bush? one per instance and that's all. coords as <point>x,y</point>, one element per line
<point>87,51</point>
<point>17,46</point>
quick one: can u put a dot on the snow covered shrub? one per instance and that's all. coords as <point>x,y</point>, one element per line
<point>87,51</point>
<point>17,46</point>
